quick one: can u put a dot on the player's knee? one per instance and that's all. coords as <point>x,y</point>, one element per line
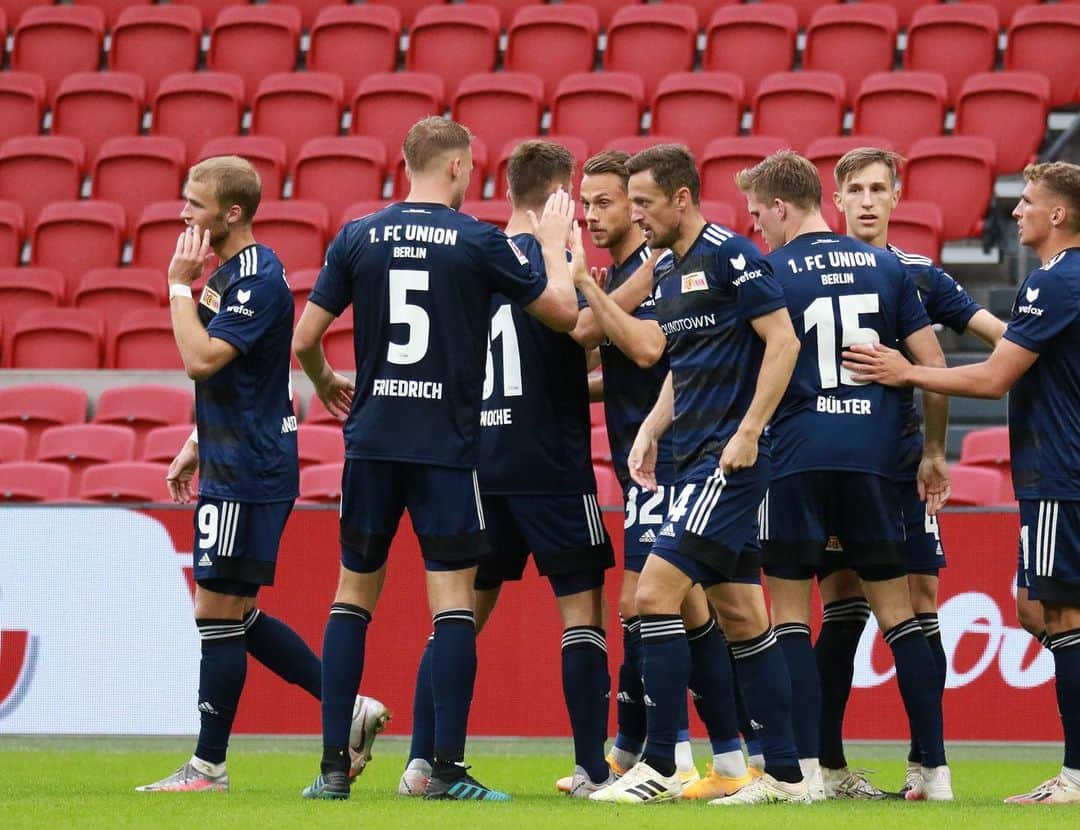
<point>651,598</point>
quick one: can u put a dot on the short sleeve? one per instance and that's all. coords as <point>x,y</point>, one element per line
<point>947,302</point>
<point>507,268</point>
<point>757,290</point>
<point>1044,308</point>
<point>912,313</point>
<point>249,309</point>
<point>333,287</point>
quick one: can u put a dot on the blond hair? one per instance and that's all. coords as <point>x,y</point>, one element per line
<point>233,180</point>
<point>862,157</point>
<point>1063,179</point>
<point>429,138</point>
<point>784,175</point>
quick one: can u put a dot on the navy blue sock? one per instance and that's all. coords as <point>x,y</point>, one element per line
<point>453,673</point>
<point>423,709</point>
<point>842,625</point>
<point>587,687</point>
<point>222,670</point>
<point>666,658</point>
<point>753,744</point>
<point>917,677</point>
<point>932,629</point>
<point>712,686</point>
<point>283,651</point>
<point>1066,648</point>
<point>630,710</point>
<point>342,668</point>
<point>766,688</point>
<point>794,639</point>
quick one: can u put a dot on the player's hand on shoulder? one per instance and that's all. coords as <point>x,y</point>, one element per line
<point>740,452</point>
<point>642,460</point>
<point>192,253</point>
<point>876,363</point>
<point>181,473</point>
<point>933,483</point>
<point>554,225</point>
<point>336,393</point>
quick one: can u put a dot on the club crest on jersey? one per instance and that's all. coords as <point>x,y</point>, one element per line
<point>694,281</point>
<point>211,299</point>
<point>524,260</point>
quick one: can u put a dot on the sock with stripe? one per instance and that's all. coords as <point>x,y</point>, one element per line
<point>423,729</point>
<point>712,687</point>
<point>917,677</point>
<point>283,651</point>
<point>586,688</point>
<point>1066,649</point>
<point>842,626</point>
<point>749,736</point>
<point>766,689</point>
<point>343,666</point>
<point>794,639</point>
<point>222,670</point>
<point>630,708</point>
<point>453,673</point>
<point>932,629</point>
<point>666,660</point>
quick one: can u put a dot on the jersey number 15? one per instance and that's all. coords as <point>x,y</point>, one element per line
<point>821,315</point>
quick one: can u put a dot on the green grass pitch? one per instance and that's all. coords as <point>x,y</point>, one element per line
<point>87,782</point>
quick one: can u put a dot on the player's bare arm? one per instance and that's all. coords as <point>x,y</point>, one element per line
<point>202,354</point>
<point>932,477</point>
<point>594,321</point>
<point>642,458</point>
<point>334,390</point>
<point>986,327</point>
<point>557,307</point>
<point>777,364</point>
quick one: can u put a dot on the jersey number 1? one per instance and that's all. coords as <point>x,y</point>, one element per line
<point>502,328</point>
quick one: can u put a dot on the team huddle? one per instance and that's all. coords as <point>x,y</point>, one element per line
<point>760,418</point>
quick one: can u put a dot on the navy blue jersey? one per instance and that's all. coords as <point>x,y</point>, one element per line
<point>629,391</point>
<point>420,277</point>
<point>244,413</point>
<point>704,304</point>
<point>840,291</point>
<point>946,304</point>
<point>534,437</point>
<point>1044,405</point>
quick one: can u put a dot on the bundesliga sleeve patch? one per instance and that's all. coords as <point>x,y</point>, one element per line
<point>524,260</point>
<point>694,282</point>
<point>211,299</point>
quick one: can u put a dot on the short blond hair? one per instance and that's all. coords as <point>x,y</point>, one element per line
<point>233,180</point>
<point>862,157</point>
<point>1063,179</point>
<point>784,175</point>
<point>429,138</point>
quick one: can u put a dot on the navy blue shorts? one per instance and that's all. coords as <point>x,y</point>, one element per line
<point>711,532</point>
<point>801,511</point>
<point>645,514</point>
<point>923,549</point>
<point>236,544</point>
<point>1049,551</point>
<point>564,534</point>
<point>443,503</point>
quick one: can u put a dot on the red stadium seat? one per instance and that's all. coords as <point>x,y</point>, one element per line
<point>852,40</point>
<point>493,211</point>
<point>355,211</point>
<point>598,107</point>
<point>978,486</point>
<point>605,9</point>
<point>987,447</point>
<point>35,407</point>
<point>210,9</point>
<point>600,446</point>
<point>1006,8</point>
<point>163,443</point>
<point>265,152</point>
<point>295,230</point>
<point>300,284</point>
<point>134,171</point>
<point>354,42</point>
<point>507,9</point>
<point>453,41</point>
<point>78,446</point>
<point>667,33</point>
<point>578,149</point>
<point>751,41</point>
<point>13,10</point>
<point>386,106</point>
<point>721,213</point>
<point>724,157</point>
<point>115,291</point>
<point>916,227</point>
<point>143,339</point>
<point>22,100</point>
<point>33,481</point>
<point>1047,39</point>
<point>297,107</point>
<point>957,173</point>
<point>74,237</point>
<point>552,42</point>
<point>57,338</point>
<point>320,483</point>
<point>317,413</point>
<point>25,288</point>
<point>125,481</point>
<point>698,106</point>
<point>1009,108</point>
<point>254,42</point>
<point>408,8</point>
<point>800,106</point>
<point>37,170</point>
<point>499,107</point>
<point>906,8</point>
<point>12,231</point>
<point>953,40</point>
<point>310,9</point>
<point>339,344</point>
<point>825,153</point>
<point>198,106</point>
<point>112,9</point>
<point>634,144</point>
<point>156,232</point>
<point>13,441</point>
<point>608,489</point>
<point>156,41</point>
<point>56,41</point>
<point>320,444</point>
<point>338,170</point>
<point>476,182</point>
<point>806,9</point>
<point>145,408</point>
<point>902,105</point>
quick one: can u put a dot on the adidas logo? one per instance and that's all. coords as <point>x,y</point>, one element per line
<point>649,702</point>
<point>757,727</point>
<point>205,561</point>
<point>648,536</point>
<point>668,530</point>
<point>624,697</point>
<point>694,695</point>
<point>208,707</point>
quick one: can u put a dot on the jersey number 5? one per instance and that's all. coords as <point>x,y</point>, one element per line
<point>402,312</point>
<point>821,315</point>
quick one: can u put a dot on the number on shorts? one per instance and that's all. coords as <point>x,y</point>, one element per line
<point>207,522</point>
<point>681,504</point>
<point>930,525</point>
